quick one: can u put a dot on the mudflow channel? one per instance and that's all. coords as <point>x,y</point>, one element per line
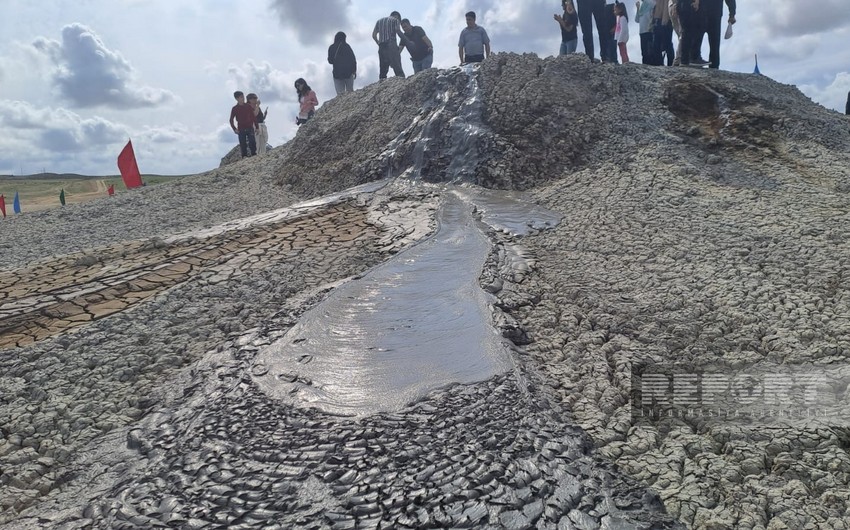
<point>392,400</point>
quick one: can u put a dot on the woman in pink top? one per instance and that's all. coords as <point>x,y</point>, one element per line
<point>306,99</point>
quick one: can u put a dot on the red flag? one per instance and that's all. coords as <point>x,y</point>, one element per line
<point>128,167</point>
<point>3,205</point>
<point>111,190</point>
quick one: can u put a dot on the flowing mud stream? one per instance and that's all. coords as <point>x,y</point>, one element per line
<point>414,324</point>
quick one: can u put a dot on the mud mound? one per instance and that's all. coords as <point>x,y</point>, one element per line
<point>528,121</point>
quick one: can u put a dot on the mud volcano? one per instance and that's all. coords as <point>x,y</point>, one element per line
<point>449,302</point>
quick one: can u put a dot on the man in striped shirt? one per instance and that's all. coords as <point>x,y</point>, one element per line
<point>389,53</point>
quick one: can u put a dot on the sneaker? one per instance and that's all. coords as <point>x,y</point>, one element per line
<point>699,61</point>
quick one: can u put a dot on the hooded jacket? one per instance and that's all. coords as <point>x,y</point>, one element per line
<point>342,57</point>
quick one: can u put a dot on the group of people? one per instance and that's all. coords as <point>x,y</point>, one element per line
<point>691,20</point>
<point>657,20</point>
<point>248,120</point>
<point>393,34</point>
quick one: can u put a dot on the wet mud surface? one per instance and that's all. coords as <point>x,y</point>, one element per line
<point>416,323</point>
<point>675,217</point>
<point>467,443</point>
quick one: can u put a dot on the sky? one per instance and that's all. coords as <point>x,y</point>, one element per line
<point>78,78</point>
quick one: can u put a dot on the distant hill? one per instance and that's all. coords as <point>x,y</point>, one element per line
<point>74,176</point>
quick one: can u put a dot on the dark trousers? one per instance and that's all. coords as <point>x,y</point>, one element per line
<point>690,28</point>
<point>663,42</point>
<point>247,140</point>
<point>389,56</point>
<point>713,20</point>
<point>587,11</point>
<point>647,50</point>
<point>609,48</point>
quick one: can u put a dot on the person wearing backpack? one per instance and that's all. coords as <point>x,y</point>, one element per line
<point>341,56</point>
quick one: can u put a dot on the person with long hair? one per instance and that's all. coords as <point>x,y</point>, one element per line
<point>306,99</point>
<point>621,31</point>
<point>341,56</point>
<point>260,116</point>
<point>568,23</point>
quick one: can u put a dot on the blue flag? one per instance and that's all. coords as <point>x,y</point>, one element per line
<point>17,204</point>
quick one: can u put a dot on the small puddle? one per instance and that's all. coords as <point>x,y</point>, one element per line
<point>414,324</point>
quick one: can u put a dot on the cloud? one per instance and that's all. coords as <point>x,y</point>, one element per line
<point>834,95</point>
<point>313,22</point>
<point>262,79</point>
<point>792,18</point>
<point>88,74</point>
<point>516,25</point>
<point>58,129</point>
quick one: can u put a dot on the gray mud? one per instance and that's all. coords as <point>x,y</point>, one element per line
<point>700,220</point>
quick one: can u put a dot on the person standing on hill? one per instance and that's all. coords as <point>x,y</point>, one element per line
<point>474,44</point>
<point>418,45</point>
<point>341,56</point>
<point>569,31</point>
<point>588,11</point>
<point>245,126</point>
<point>644,17</point>
<point>662,37</point>
<point>713,17</point>
<point>260,117</point>
<point>688,13</point>
<point>307,101</point>
<point>609,49</point>
<point>389,53</point>
<point>847,108</point>
<point>621,31</point>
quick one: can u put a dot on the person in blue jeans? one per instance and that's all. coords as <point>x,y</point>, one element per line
<point>568,23</point>
<point>419,45</point>
<point>244,123</point>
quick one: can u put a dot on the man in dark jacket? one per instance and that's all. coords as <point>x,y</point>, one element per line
<point>342,57</point>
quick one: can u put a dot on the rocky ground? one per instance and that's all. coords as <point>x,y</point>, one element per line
<point>705,223</point>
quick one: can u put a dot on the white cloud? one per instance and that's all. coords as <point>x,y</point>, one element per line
<point>312,21</point>
<point>834,95</point>
<point>263,79</point>
<point>792,17</point>
<point>88,74</point>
